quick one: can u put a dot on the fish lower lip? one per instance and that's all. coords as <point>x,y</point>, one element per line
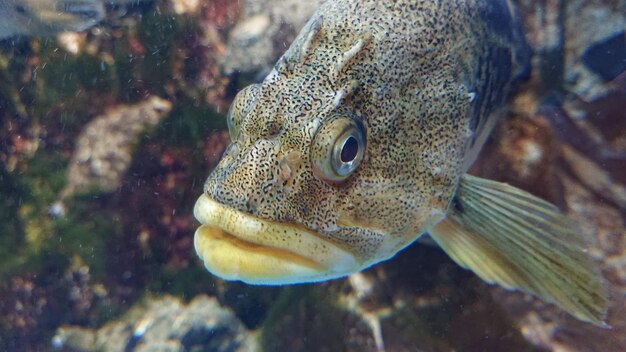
<point>237,246</point>
<point>234,259</point>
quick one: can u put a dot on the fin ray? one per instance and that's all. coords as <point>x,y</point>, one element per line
<point>510,237</point>
<point>535,210</point>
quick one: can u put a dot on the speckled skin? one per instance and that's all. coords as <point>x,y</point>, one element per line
<point>422,76</point>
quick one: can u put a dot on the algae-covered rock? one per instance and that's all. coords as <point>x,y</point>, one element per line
<point>420,301</point>
<point>264,33</point>
<point>164,324</point>
<point>103,150</point>
<point>47,17</point>
<point>88,102</point>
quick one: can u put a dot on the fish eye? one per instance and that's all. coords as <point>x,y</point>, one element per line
<point>338,149</point>
<point>240,107</point>
<point>348,152</point>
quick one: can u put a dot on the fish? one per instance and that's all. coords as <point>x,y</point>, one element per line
<point>358,143</point>
<point>48,17</point>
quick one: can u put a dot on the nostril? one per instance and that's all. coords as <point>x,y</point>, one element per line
<point>284,173</point>
<point>251,206</point>
<point>288,165</point>
<point>272,127</point>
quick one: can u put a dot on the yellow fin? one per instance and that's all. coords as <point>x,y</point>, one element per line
<point>510,237</point>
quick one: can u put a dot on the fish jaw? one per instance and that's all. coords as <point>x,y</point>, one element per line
<point>237,246</point>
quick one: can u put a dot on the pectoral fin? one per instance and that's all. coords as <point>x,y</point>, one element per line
<point>512,238</point>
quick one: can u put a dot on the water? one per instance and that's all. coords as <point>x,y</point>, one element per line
<point>107,135</point>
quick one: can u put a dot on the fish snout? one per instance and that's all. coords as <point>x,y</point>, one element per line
<point>290,162</point>
<point>249,180</point>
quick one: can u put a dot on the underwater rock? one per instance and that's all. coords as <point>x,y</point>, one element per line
<point>572,153</point>
<point>47,17</point>
<point>164,324</point>
<point>607,58</point>
<point>267,30</point>
<point>310,318</point>
<point>32,304</point>
<point>562,141</point>
<point>186,7</point>
<point>419,301</point>
<point>590,26</point>
<point>584,158</point>
<point>579,45</point>
<point>103,150</point>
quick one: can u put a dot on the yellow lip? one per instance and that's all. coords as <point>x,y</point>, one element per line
<point>238,246</point>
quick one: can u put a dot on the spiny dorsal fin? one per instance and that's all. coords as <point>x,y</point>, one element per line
<point>510,237</point>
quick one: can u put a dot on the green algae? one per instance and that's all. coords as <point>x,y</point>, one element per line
<point>63,93</point>
<point>159,34</point>
<point>70,80</point>
<point>188,124</point>
<point>307,318</point>
<point>52,94</point>
<point>26,196</point>
<point>152,58</point>
<point>85,232</point>
<point>186,282</point>
<point>31,237</point>
<point>12,190</point>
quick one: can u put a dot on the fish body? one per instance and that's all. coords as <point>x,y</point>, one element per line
<point>46,17</point>
<point>357,143</point>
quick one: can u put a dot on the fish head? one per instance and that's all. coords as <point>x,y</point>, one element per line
<point>305,192</point>
<point>271,206</point>
<point>51,16</point>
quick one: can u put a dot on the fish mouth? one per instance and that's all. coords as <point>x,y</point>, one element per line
<point>238,246</point>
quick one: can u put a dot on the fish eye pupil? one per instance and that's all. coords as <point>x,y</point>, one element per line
<point>349,150</point>
<point>338,148</point>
